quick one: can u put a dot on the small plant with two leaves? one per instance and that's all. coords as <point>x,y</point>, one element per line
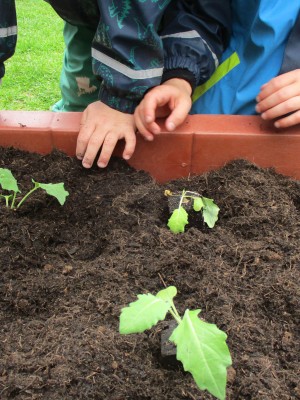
<point>201,346</point>
<point>9,183</point>
<point>182,202</point>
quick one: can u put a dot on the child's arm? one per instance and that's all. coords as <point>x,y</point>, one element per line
<point>129,57</point>
<point>194,35</point>
<point>139,43</point>
<point>172,99</point>
<point>280,98</point>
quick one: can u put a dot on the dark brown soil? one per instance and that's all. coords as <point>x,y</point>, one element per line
<point>67,271</point>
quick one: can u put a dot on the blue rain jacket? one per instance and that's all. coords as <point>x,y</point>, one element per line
<point>261,29</point>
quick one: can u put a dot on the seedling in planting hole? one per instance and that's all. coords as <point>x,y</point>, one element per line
<point>201,347</point>
<point>180,203</point>
<point>8,182</point>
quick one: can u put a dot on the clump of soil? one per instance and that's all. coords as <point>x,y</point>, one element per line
<point>67,271</point>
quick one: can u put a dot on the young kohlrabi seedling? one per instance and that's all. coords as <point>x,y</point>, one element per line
<point>201,347</point>
<point>9,183</point>
<point>181,203</point>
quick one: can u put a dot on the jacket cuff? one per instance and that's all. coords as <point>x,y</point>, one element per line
<point>181,74</point>
<point>122,104</point>
<point>187,64</point>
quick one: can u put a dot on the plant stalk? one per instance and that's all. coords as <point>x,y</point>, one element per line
<point>26,196</point>
<point>181,198</point>
<point>175,314</point>
<point>12,204</point>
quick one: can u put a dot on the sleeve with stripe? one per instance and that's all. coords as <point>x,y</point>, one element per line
<point>194,33</point>
<point>8,32</point>
<point>127,51</point>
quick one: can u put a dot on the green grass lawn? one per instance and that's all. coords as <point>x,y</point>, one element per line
<point>32,75</point>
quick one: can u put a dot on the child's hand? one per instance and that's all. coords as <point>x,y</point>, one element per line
<point>172,99</point>
<point>104,126</point>
<point>280,98</point>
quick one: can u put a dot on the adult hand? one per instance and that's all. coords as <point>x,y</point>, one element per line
<point>280,98</point>
<point>172,99</point>
<point>102,126</point>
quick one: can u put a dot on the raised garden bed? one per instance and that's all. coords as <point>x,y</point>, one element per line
<point>66,272</point>
<point>203,143</point>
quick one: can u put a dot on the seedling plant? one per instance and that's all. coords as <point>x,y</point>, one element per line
<point>201,346</point>
<point>182,202</point>
<point>9,183</point>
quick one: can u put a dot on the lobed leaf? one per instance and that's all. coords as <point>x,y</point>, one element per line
<point>56,190</point>
<point>202,349</point>
<point>210,212</point>
<point>178,220</point>
<point>8,181</point>
<point>145,312</point>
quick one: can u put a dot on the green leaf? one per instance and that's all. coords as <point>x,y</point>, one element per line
<point>167,294</point>
<point>198,203</point>
<point>145,312</point>
<point>178,220</point>
<point>202,349</point>
<point>210,212</point>
<point>8,181</point>
<point>56,190</point>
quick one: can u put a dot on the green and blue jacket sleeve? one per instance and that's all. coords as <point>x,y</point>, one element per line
<point>138,41</point>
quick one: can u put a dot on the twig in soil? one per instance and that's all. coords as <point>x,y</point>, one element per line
<point>188,394</point>
<point>88,299</point>
<point>161,278</point>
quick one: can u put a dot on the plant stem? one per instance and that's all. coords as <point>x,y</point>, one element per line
<point>6,198</point>
<point>12,204</point>
<point>181,198</point>
<point>192,194</point>
<point>26,196</point>
<point>175,314</point>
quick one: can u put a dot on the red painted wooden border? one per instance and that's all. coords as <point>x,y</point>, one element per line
<point>202,143</point>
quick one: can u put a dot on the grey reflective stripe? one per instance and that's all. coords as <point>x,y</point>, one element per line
<point>182,35</point>
<point>10,31</point>
<point>212,54</point>
<point>124,70</point>
<point>192,35</point>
